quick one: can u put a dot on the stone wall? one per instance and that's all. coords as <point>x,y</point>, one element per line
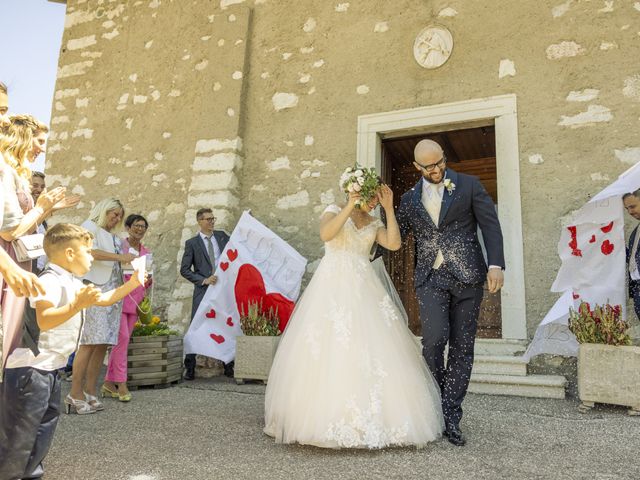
<point>236,104</point>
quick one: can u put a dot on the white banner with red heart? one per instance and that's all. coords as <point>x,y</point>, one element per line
<point>592,250</point>
<point>256,266</point>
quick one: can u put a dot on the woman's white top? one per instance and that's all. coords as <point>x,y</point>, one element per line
<point>102,240</point>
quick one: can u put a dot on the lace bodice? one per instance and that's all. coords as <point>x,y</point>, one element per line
<point>350,238</point>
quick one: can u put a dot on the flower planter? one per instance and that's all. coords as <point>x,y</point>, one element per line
<point>609,374</point>
<point>154,360</point>
<point>254,356</point>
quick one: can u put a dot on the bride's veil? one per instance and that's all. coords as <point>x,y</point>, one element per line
<point>387,283</point>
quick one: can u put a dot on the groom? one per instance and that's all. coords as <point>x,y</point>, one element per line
<point>443,211</point>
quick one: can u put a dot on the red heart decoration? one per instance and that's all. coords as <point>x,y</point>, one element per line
<point>576,296</point>
<point>249,288</point>
<point>230,321</point>
<point>217,338</point>
<point>592,239</point>
<point>607,228</point>
<point>224,266</point>
<point>211,314</point>
<point>232,254</point>
<point>606,247</point>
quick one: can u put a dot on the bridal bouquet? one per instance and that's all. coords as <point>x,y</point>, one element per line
<point>359,179</point>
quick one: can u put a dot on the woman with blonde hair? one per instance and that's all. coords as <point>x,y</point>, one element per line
<point>19,214</point>
<point>102,324</point>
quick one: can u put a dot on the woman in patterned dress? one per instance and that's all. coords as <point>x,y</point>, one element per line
<point>101,324</point>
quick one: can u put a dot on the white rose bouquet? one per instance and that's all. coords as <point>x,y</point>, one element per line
<point>362,180</point>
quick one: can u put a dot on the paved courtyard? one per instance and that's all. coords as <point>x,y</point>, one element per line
<point>212,429</point>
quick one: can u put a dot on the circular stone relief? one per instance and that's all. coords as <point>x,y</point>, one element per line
<point>433,46</point>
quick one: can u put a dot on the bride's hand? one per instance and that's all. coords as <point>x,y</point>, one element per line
<point>385,197</point>
<point>353,198</point>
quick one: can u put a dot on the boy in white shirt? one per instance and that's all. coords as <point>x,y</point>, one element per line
<point>30,394</point>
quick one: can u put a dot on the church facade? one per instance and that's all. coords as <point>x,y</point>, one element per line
<point>173,105</point>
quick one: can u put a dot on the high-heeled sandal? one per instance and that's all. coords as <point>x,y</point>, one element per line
<point>95,404</point>
<point>80,407</point>
<point>124,397</point>
<point>107,392</point>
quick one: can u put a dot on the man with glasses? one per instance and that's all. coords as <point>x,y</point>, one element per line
<point>199,261</point>
<point>444,211</point>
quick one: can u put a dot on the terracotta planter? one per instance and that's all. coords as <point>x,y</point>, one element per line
<point>154,360</point>
<point>254,356</point>
<point>609,374</point>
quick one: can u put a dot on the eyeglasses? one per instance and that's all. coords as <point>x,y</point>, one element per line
<point>208,219</point>
<point>432,167</point>
<point>141,226</point>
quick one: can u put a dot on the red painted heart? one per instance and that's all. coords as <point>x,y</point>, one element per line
<point>607,247</point>
<point>230,321</point>
<point>592,239</point>
<point>250,288</point>
<point>232,254</point>
<point>576,296</point>
<point>607,228</point>
<point>224,266</point>
<point>211,314</point>
<point>217,338</point>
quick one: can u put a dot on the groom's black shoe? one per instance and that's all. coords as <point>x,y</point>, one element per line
<point>454,435</point>
<point>190,373</point>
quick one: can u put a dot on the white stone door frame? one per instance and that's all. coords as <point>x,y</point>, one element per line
<point>501,111</point>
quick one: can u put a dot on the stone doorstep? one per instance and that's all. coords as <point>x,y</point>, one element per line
<point>500,365</point>
<point>499,346</point>
<point>536,386</point>
<point>493,346</point>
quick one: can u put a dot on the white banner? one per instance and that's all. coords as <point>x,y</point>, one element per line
<point>256,266</point>
<point>592,250</point>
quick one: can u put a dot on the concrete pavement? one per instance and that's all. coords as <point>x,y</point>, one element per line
<point>212,429</point>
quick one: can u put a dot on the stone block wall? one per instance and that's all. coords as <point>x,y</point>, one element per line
<point>239,104</point>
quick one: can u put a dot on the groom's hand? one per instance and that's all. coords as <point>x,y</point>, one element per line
<point>495,279</point>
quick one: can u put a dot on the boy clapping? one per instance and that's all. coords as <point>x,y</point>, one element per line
<point>30,394</point>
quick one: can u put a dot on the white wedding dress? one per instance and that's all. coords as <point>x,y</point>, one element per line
<point>348,372</point>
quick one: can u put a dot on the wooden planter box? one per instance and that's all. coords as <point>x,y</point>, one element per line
<point>154,360</point>
<point>609,374</point>
<point>254,356</point>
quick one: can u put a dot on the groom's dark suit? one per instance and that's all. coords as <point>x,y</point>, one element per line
<point>450,296</point>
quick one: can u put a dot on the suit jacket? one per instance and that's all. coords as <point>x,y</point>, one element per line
<point>632,239</point>
<point>463,210</point>
<point>196,264</point>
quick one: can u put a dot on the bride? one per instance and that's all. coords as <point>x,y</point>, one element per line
<point>348,373</point>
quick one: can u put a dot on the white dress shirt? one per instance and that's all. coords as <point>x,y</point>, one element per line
<point>55,341</point>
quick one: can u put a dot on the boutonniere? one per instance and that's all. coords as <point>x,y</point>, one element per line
<point>449,185</point>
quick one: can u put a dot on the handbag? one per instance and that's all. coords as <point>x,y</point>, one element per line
<point>28,247</point>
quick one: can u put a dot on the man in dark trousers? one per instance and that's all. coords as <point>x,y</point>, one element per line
<point>201,255</point>
<point>443,211</point>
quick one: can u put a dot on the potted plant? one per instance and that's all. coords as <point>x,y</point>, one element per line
<point>608,365</point>
<point>257,347</point>
<point>154,353</point>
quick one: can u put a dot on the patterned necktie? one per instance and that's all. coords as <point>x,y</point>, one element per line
<point>212,255</point>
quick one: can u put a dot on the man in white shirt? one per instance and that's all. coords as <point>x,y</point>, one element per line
<point>199,261</point>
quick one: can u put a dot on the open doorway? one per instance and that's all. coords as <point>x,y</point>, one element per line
<point>469,150</point>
